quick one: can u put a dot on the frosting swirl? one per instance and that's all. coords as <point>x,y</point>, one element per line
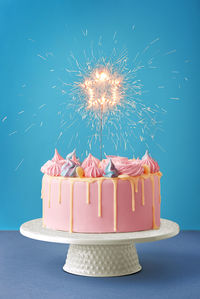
<point>69,168</point>
<point>72,157</point>
<point>58,158</point>
<point>89,161</point>
<point>131,168</point>
<point>44,168</point>
<point>53,169</point>
<point>147,160</point>
<point>110,170</point>
<point>93,171</point>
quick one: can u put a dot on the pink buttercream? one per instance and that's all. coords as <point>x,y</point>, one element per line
<point>90,160</point>
<point>147,160</point>
<point>92,171</point>
<point>75,160</point>
<point>103,164</point>
<point>115,159</point>
<point>45,166</point>
<point>58,158</point>
<point>54,169</point>
<point>131,168</point>
<point>72,157</point>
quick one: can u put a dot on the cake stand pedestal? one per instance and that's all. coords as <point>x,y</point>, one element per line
<point>100,255</point>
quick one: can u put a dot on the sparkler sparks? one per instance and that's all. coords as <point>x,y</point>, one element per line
<point>103,89</point>
<point>105,96</point>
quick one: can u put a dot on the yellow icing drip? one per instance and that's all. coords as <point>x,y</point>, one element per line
<point>115,204</point>
<point>59,194</point>
<point>159,189</point>
<point>71,206</point>
<point>49,192</point>
<point>136,184</point>
<point>134,188</point>
<point>153,201</point>
<point>133,194</point>
<point>99,197</point>
<point>88,193</point>
<point>142,180</point>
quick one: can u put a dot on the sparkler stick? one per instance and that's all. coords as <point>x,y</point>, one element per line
<point>101,131</point>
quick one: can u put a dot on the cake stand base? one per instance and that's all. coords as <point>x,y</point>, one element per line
<point>100,255</point>
<point>102,260</point>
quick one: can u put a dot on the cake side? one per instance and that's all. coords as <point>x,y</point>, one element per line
<point>101,204</point>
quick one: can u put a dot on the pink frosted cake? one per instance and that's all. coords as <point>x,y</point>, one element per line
<point>113,195</point>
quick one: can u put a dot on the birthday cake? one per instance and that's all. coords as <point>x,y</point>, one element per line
<point>116,194</point>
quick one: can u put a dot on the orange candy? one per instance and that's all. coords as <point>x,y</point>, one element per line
<point>80,172</point>
<point>146,169</point>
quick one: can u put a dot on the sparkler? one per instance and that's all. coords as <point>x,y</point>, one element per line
<point>104,93</point>
<point>103,90</point>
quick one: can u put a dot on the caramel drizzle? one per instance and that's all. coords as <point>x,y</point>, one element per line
<point>136,184</point>
<point>133,194</point>
<point>134,188</point>
<point>159,189</point>
<point>142,181</point>
<point>153,201</point>
<point>115,204</point>
<point>88,193</point>
<point>71,207</point>
<point>99,198</point>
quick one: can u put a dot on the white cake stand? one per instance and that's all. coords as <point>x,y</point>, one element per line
<point>100,255</point>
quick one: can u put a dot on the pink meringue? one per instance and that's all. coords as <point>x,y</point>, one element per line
<point>72,157</point>
<point>53,169</point>
<point>92,171</point>
<point>130,168</point>
<point>103,163</point>
<point>58,158</point>
<point>147,160</point>
<point>89,161</point>
<point>44,168</point>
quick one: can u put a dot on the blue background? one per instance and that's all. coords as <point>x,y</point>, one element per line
<point>32,28</point>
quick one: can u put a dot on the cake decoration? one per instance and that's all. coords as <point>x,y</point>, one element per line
<point>131,168</point>
<point>72,157</point>
<point>69,168</point>
<point>147,160</point>
<point>57,158</point>
<point>53,169</point>
<point>89,161</point>
<point>111,174</point>
<point>44,168</point>
<point>80,172</point>
<point>92,170</point>
<point>110,170</point>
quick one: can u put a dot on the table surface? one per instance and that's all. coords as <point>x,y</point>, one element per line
<point>33,269</point>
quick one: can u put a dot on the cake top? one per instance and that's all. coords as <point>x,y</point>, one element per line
<point>91,167</point>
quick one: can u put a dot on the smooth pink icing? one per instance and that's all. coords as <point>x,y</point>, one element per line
<point>85,216</point>
<point>147,160</point>
<point>89,160</point>
<point>92,171</point>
